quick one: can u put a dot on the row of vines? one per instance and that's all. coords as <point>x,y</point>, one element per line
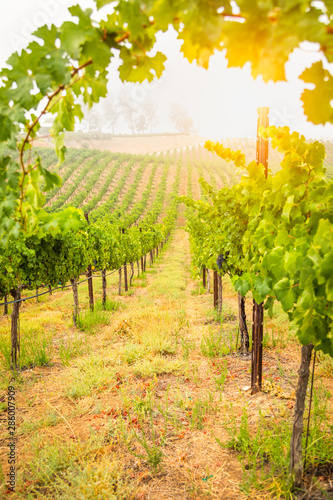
<point>121,230</point>
<point>273,234</point>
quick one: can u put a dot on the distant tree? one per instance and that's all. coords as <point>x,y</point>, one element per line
<point>150,110</point>
<point>141,123</point>
<point>128,110</point>
<point>179,115</point>
<point>111,113</point>
<point>93,118</point>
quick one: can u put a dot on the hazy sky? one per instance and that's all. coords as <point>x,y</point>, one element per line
<point>222,101</point>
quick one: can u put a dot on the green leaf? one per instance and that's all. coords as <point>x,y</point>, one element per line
<point>263,286</point>
<point>7,127</point>
<point>242,285</point>
<point>102,3</point>
<point>139,68</point>
<point>287,208</point>
<point>273,262</point>
<point>326,266</point>
<point>317,102</point>
<point>269,306</point>
<point>284,293</point>
<point>132,14</point>
<point>329,288</point>
<point>322,240</point>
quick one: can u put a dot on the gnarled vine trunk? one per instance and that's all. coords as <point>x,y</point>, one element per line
<point>296,455</point>
<point>132,273</point>
<point>245,341</point>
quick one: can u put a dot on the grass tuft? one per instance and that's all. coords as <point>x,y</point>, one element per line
<point>158,366</point>
<point>35,348</point>
<point>89,320</point>
<point>90,373</point>
<point>73,471</point>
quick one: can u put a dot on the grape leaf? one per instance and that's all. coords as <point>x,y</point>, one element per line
<point>138,69</point>
<point>102,3</point>
<point>317,102</point>
<point>284,294</point>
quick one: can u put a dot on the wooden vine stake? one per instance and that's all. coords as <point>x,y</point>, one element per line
<point>125,269</point>
<point>258,309</point>
<point>257,338</point>
<point>104,284</point>
<point>142,265</point>
<point>119,289</point>
<point>219,294</point>
<point>89,276</point>
<point>125,277</point>
<point>216,289</point>
<point>76,301</point>
<point>204,277</point>
<point>5,307</point>
<point>15,339</point>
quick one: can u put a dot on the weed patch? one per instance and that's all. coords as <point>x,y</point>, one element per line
<point>212,345</point>
<point>35,348</point>
<point>263,448</point>
<point>90,373</point>
<point>145,434</point>
<point>74,471</point>
<point>88,320</point>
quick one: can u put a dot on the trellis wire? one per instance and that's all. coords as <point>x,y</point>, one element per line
<point>58,288</point>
